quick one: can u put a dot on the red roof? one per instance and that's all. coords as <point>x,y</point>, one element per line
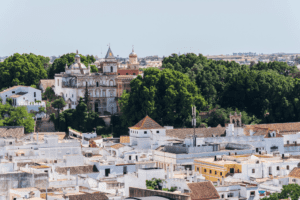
<point>147,123</point>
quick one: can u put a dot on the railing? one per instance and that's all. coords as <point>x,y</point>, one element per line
<point>30,104</point>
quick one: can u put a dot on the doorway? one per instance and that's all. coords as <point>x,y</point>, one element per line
<point>232,170</point>
<point>96,107</point>
<point>107,172</point>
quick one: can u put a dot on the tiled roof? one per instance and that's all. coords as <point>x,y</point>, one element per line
<point>283,128</point>
<point>200,132</point>
<point>88,196</point>
<point>12,131</point>
<point>203,190</point>
<point>295,172</point>
<point>117,146</point>
<point>14,87</point>
<point>47,83</point>
<point>147,123</point>
<point>77,169</point>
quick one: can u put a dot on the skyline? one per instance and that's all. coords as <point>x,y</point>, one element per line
<point>153,27</point>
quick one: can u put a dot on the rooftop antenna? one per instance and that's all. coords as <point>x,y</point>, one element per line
<point>194,124</point>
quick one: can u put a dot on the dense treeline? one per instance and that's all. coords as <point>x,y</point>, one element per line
<point>166,96</point>
<point>264,90</point>
<point>25,69</point>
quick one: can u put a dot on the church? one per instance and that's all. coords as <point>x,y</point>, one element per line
<point>104,87</point>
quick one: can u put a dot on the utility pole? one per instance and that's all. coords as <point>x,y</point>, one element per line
<point>194,124</point>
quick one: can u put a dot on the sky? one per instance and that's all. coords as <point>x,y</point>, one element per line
<point>154,27</point>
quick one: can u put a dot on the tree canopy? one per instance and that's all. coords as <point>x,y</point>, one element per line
<point>16,116</point>
<point>166,96</point>
<point>288,191</point>
<point>25,69</point>
<point>265,91</point>
<point>60,63</point>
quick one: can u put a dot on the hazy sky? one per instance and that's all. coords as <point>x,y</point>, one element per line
<point>154,27</point>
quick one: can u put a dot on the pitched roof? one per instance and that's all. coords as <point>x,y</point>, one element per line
<point>88,196</point>
<point>283,128</point>
<point>203,190</point>
<point>47,83</point>
<point>14,87</point>
<point>117,146</point>
<point>200,132</point>
<point>12,131</point>
<point>109,54</point>
<point>147,123</point>
<point>77,169</point>
<point>295,172</point>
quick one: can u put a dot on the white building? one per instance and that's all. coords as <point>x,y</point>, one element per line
<point>23,96</point>
<point>72,83</point>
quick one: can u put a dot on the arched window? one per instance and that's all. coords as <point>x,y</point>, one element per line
<point>111,69</point>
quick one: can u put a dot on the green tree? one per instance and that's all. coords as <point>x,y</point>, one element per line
<point>25,69</point>
<point>58,104</point>
<point>93,69</point>
<point>166,96</point>
<point>60,63</point>
<point>288,191</point>
<point>86,95</point>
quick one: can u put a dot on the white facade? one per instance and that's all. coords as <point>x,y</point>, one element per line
<point>71,85</point>
<point>23,96</point>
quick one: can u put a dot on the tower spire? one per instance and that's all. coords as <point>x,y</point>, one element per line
<point>132,48</point>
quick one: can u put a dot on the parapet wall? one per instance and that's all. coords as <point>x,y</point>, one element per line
<point>139,192</point>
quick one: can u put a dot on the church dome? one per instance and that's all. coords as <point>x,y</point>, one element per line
<point>77,56</point>
<point>77,66</point>
<point>132,54</point>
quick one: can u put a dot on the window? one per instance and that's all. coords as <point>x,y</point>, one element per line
<point>34,94</point>
<point>133,73</point>
<point>252,193</point>
<point>210,171</point>
<point>294,180</point>
<point>204,170</point>
<point>157,131</point>
<point>277,168</point>
<point>230,195</point>
<point>129,157</point>
<point>126,73</point>
<point>197,168</point>
<point>13,92</point>
<point>72,95</point>
<point>97,84</point>
<point>145,132</point>
<point>288,167</point>
<point>222,196</point>
<point>288,142</point>
<point>221,173</point>
<point>253,171</point>
<point>118,73</point>
<point>215,172</point>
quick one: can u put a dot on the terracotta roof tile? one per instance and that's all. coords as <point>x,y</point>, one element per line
<point>295,172</point>
<point>200,132</point>
<point>283,128</point>
<point>203,190</point>
<point>47,83</point>
<point>117,146</point>
<point>12,131</point>
<point>147,123</point>
<point>88,196</point>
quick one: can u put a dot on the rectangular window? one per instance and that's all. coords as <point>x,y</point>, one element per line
<point>221,173</point>
<point>13,92</point>
<point>252,193</point>
<point>253,171</point>
<point>126,73</point>
<point>210,171</point>
<point>215,172</point>
<point>34,94</point>
<point>197,168</point>
<point>145,132</point>
<point>278,168</point>
<point>157,131</point>
<point>133,73</point>
<point>204,170</point>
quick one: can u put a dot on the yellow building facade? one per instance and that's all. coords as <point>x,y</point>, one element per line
<point>214,170</point>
